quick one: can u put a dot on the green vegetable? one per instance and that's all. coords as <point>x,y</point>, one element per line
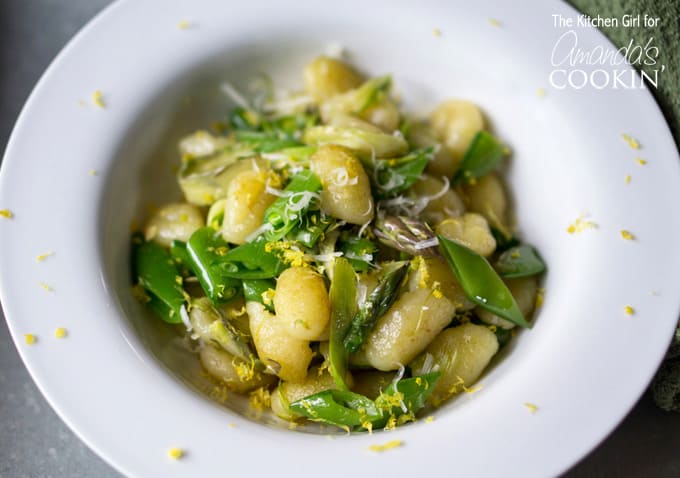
<point>504,241</point>
<point>503,336</point>
<point>406,234</point>
<point>157,272</point>
<point>337,407</point>
<point>178,250</point>
<point>413,392</point>
<point>519,261</point>
<point>265,142</point>
<point>363,142</point>
<point>253,290</point>
<point>287,211</point>
<point>343,307</point>
<point>377,303</point>
<point>206,248</point>
<point>358,251</point>
<point>348,410</point>
<point>311,228</point>
<point>480,282</point>
<point>482,157</point>
<point>394,176</point>
<point>251,260</point>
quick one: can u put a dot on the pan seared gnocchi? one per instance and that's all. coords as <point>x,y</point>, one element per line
<point>337,257</point>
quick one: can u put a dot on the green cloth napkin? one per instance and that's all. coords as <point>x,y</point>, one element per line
<point>666,384</point>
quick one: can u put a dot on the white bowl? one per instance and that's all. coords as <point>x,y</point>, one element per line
<point>124,386</point>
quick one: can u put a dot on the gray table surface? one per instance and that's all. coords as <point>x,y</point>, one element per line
<point>34,442</point>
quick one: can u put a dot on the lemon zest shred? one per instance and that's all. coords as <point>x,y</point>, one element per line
<point>436,32</point>
<point>46,287</point>
<point>531,407</point>
<point>627,179</point>
<point>30,339</point>
<point>580,225</point>
<point>540,92</point>
<point>628,310</point>
<point>175,453</point>
<point>44,256</point>
<point>474,389</point>
<point>494,22</point>
<point>386,446</point>
<point>60,333</point>
<point>6,213</point>
<point>640,161</point>
<point>632,142</point>
<point>98,99</point>
<point>540,297</point>
<point>429,419</point>
<point>627,235</point>
<point>268,296</point>
<point>184,24</point>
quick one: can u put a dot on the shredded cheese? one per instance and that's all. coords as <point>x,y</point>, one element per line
<point>627,235</point>
<point>6,213</point>
<point>632,142</point>
<point>628,310</point>
<point>386,446</point>
<point>175,453</point>
<point>531,407</point>
<point>98,99</point>
<point>30,339</point>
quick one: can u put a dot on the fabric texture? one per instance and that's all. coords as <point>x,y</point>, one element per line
<point>666,36</point>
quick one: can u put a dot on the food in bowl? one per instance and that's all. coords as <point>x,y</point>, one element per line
<point>353,264</point>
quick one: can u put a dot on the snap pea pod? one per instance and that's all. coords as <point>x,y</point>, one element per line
<point>205,250</point>
<point>254,290</point>
<point>519,261</point>
<point>343,293</point>
<point>482,157</point>
<point>349,410</point>
<point>157,272</point>
<point>393,176</point>
<point>358,251</point>
<point>377,303</point>
<point>289,210</point>
<point>311,228</point>
<point>337,407</point>
<point>178,250</point>
<point>480,282</point>
<point>251,260</point>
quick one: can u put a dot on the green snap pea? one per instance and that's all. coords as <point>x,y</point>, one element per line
<point>480,282</point>
<point>342,292</point>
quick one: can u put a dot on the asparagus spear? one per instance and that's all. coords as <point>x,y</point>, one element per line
<point>378,302</point>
